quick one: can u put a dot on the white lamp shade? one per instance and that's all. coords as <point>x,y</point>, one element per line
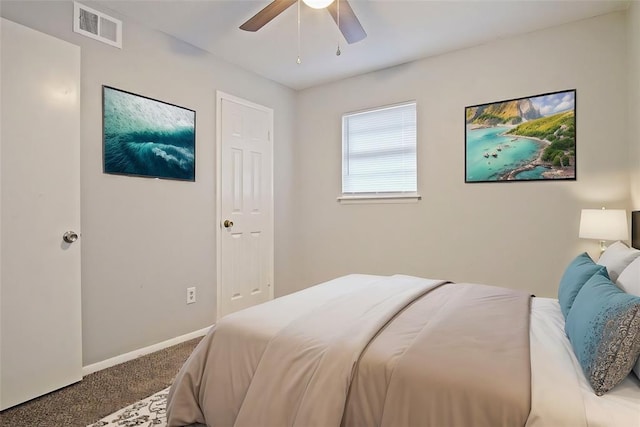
<point>604,224</point>
<point>318,4</point>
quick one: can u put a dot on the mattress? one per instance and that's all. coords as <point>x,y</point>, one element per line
<point>561,395</point>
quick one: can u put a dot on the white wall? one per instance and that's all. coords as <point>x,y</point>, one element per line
<point>519,235</point>
<point>633,37</point>
<point>146,240</point>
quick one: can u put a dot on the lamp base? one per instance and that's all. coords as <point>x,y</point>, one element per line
<point>603,247</point>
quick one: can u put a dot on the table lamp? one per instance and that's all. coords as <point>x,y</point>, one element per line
<point>604,224</point>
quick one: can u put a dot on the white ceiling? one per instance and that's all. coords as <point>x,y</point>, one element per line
<point>398,31</point>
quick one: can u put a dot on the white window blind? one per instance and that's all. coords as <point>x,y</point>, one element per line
<point>379,151</point>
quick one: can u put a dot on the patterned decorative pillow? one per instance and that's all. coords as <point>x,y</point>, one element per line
<point>604,329</point>
<point>629,281</point>
<point>575,276</point>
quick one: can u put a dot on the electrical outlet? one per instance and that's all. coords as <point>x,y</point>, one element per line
<point>191,295</point>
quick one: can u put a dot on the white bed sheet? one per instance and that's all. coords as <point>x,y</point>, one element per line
<point>561,395</point>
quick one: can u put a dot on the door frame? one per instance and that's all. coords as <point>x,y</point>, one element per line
<point>220,96</point>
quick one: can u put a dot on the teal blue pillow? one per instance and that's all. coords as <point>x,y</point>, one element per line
<point>581,269</point>
<point>604,329</point>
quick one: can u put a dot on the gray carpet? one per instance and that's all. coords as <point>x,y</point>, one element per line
<point>101,393</point>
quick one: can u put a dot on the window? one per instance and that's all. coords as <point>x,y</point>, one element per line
<point>379,153</point>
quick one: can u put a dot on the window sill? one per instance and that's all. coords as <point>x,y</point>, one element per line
<point>379,198</point>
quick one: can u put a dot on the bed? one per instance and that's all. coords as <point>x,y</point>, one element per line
<point>364,350</point>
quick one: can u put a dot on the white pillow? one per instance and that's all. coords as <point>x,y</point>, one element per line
<point>616,258</point>
<point>629,281</point>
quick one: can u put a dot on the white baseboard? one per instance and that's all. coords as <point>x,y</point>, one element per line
<point>95,367</point>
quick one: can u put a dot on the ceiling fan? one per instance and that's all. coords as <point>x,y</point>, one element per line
<point>346,20</point>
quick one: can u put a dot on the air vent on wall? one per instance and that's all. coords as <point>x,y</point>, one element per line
<point>97,25</point>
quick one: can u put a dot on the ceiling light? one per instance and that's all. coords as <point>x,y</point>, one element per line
<point>318,4</point>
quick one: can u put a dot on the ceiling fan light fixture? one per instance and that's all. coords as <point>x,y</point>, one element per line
<point>318,4</point>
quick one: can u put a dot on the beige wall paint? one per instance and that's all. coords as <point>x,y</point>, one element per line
<point>633,37</point>
<point>144,240</point>
<point>519,235</point>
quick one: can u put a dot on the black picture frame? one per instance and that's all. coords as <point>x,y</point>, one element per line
<point>531,138</point>
<point>146,137</point>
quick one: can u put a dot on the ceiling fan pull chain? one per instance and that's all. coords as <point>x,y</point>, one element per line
<point>338,21</point>
<point>298,61</point>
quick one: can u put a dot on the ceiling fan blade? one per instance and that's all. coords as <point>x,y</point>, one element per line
<point>349,24</point>
<point>263,17</point>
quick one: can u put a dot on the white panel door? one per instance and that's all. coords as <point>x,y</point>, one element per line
<point>245,186</point>
<point>40,321</point>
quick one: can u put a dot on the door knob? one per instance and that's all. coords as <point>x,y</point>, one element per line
<point>227,223</point>
<point>70,236</point>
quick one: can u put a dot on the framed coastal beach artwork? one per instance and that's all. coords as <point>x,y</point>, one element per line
<point>146,137</point>
<point>523,139</point>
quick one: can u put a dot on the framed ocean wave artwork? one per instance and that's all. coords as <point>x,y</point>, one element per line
<point>147,138</point>
<point>523,139</point>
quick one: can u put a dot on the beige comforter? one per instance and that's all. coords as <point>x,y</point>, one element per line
<point>364,351</point>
